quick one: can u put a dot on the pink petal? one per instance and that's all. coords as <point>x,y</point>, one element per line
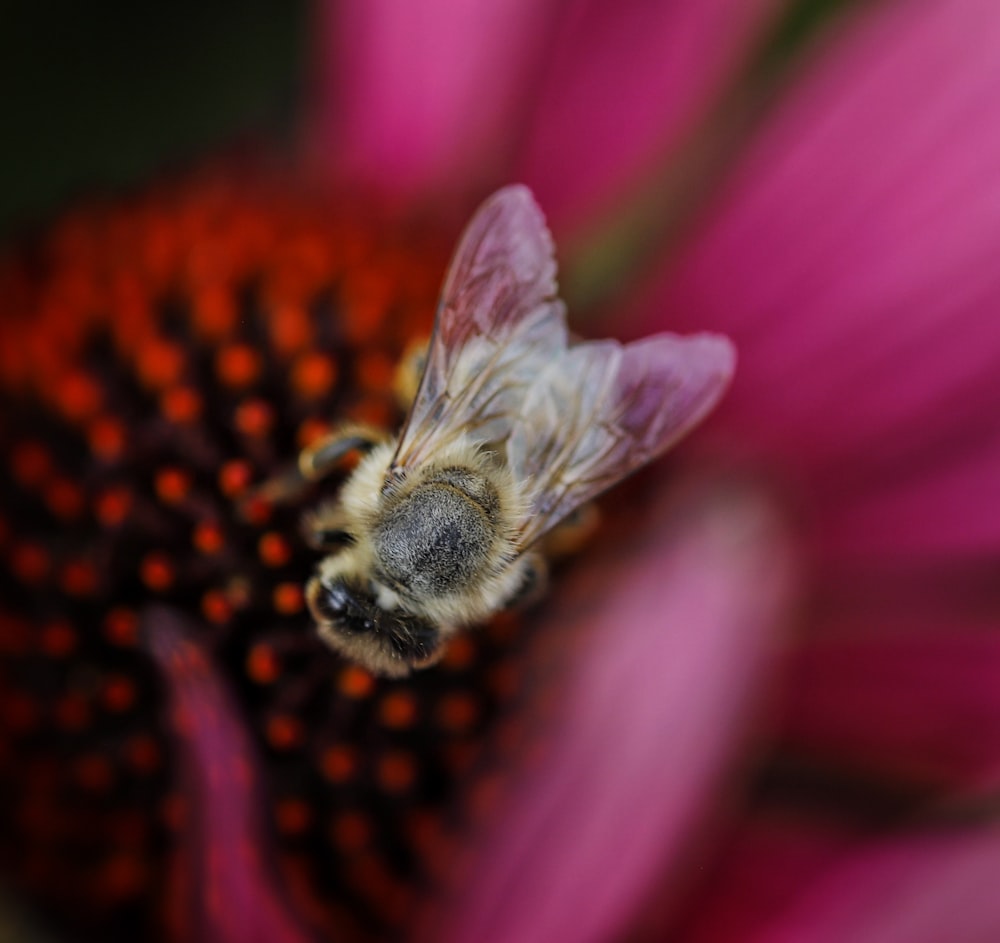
<point>443,95</point>
<point>795,881</point>
<point>954,512</point>
<point>910,704</point>
<point>852,258</point>
<point>417,97</point>
<point>623,82</point>
<point>925,888</point>
<point>223,886</point>
<point>765,866</point>
<point>659,694</point>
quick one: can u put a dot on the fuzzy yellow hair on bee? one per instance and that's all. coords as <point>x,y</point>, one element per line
<point>511,430</point>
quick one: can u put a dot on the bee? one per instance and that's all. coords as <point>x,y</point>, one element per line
<point>512,428</point>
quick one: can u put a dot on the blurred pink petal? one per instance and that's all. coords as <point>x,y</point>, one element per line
<point>624,82</point>
<point>954,511</point>
<point>660,693</point>
<point>852,256</point>
<point>223,883</point>
<point>788,882</point>
<point>767,863</point>
<point>420,98</point>
<point>416,97</point>
<point>915,705</point>
<point>924,888</point>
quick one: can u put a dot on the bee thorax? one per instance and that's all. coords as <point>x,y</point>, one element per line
<point>441,537</point>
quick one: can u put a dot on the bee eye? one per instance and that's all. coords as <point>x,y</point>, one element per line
<point>344,605</point>
<point>330,601</point>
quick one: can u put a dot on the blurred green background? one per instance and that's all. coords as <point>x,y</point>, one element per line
<point>101,94</point>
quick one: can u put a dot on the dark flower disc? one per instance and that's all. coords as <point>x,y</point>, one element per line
<point>160,356</point>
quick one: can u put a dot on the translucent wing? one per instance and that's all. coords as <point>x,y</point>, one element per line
<point>601,410</point>
<point>498,323</point>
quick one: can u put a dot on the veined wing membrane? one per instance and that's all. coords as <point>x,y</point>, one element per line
<point>601,410</point>
<point>498,323</point>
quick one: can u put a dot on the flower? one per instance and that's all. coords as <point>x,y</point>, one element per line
<point>161,354</point>
<point>759,709</point>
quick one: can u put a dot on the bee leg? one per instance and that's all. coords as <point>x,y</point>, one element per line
<point>323,456</point>
<point>325,528</point>
<point>572,533</point>
<point>534,583</point>
<point>431,659</point>
<point>317,461</point>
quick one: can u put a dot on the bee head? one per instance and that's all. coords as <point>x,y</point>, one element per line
<point>386,642</point>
